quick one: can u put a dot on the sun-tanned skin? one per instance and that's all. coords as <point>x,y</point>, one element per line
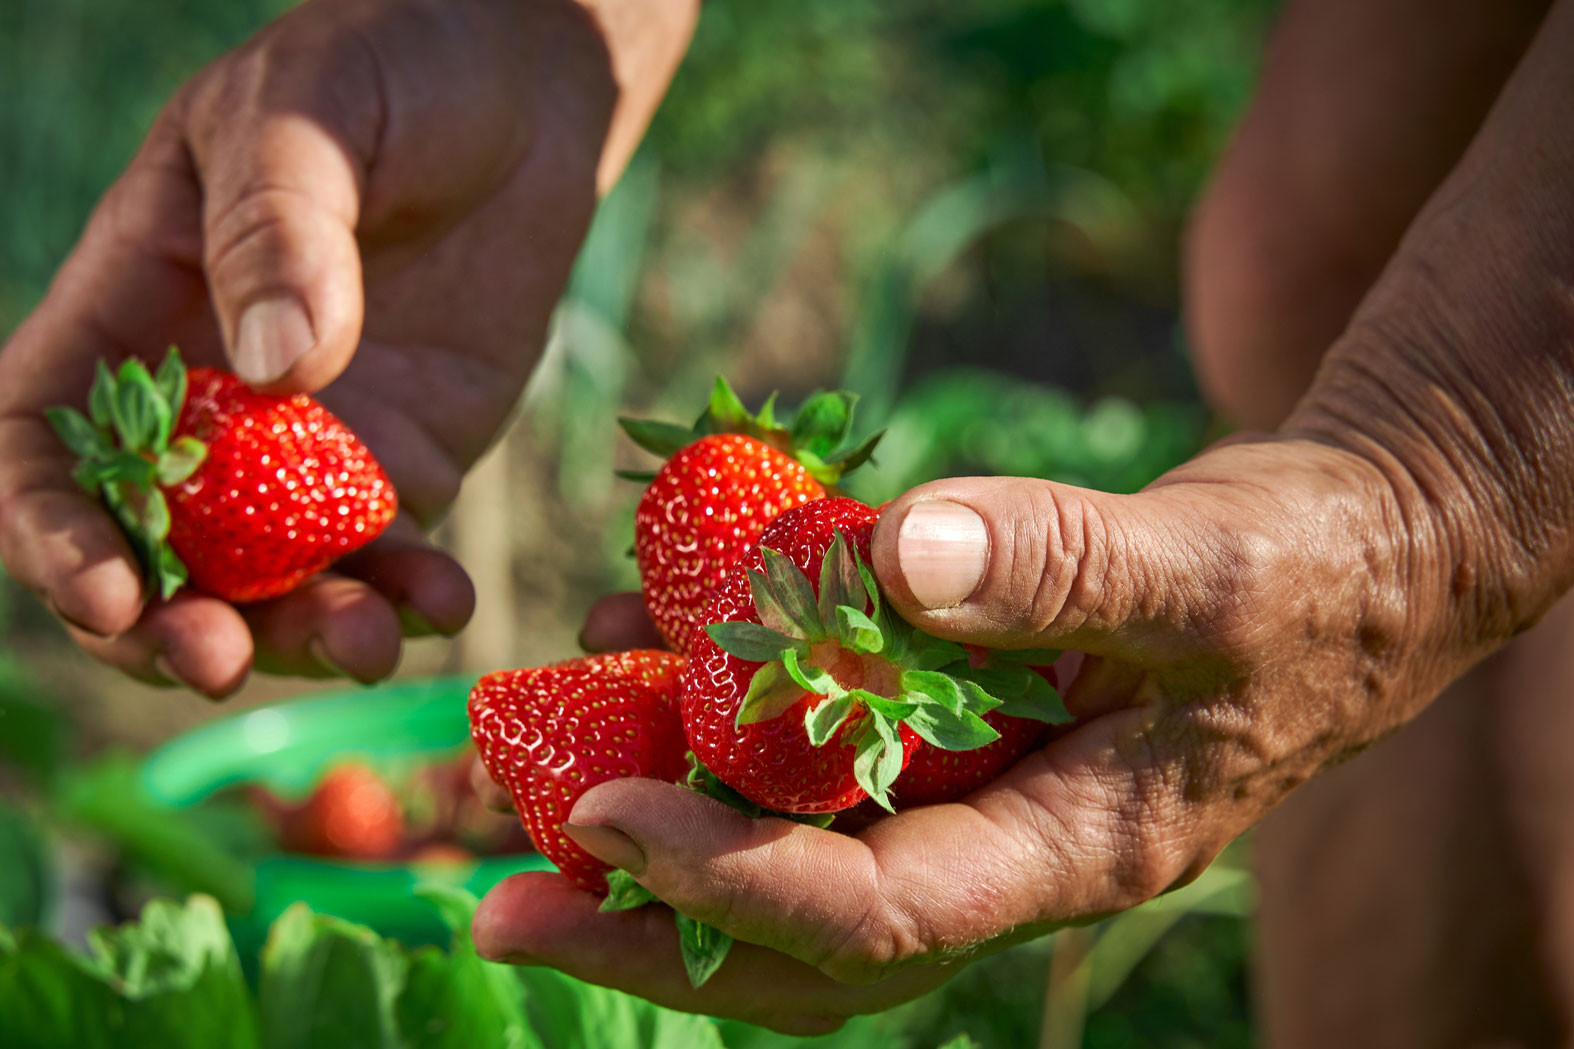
<point>1258,615</point>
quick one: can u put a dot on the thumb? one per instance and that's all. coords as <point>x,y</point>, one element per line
<point>282,191</point>
<point>1020,563</point>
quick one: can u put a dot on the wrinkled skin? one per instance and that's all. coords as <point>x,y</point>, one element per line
<point>1256,616</point>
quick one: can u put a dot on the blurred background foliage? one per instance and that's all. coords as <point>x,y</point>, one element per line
<point>968,212</point>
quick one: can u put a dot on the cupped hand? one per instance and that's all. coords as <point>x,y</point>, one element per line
<point>1269,608</point>
<point>376,198</point>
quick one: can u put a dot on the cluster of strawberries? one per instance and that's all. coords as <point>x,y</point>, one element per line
<point>791,688</point>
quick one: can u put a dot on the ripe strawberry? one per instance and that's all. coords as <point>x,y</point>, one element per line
<point>548,734</point>
<point>724,480</point>
<point>243,495</point>
<point>352,812</point>
<point>935,775</point>
<point>805,694</point>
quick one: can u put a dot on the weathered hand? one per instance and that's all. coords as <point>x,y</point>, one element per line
<point>379,197</point>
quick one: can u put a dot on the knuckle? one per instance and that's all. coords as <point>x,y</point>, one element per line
<point>868,949</point>
<point>1069,567</point>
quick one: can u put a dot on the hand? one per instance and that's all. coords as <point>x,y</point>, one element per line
<point>1248,619</point>
<point>384,195</point>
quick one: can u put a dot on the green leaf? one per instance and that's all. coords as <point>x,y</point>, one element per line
<point>771,691</point>
<point>702,780</point>
<point>810,677</point>
<point>639,476</point>
<point>765,418</point>
<point>1040,702</point>
<point>871,588</point>
<point>663,439</point>
<point>180,461</point>
<point>155,517</point>
<point>26,876</point>
<point>878,760</point>
<point>895,709</point>
<point>926,652</point>
<point>170,380</point>
<point>857,631</point>
<point>101,399</point>
<point>624,893</point>
<point>84,439</point>
<point>168,572</point>
<point>822,720</point>
<point>328,984</point>
<point>140,413</point>
<point>822,423</point>
<point>726,410</point>
<point>975,698</point>
<point>704,948</point>
<point>793,593</point>
<point>933,687</point>
<point>950,731</point>
<point>854,457</point>
<point>754,641</point>
<point>839,580</point>
<point>768,608</point>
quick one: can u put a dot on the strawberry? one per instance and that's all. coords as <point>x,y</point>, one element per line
<point>806,694</point>
<point>352,812</point>
<point>724,480</point>
<point>548,734</point>
<point>935,775</point>
<point>244,495</point>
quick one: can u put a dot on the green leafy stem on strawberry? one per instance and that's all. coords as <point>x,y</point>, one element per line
<point>851,648</point>
<point>127,454</point>
<point>818,437</point>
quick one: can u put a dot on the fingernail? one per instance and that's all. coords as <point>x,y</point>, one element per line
<point>943,548</point>
<point>271,336</point>
<point>608,845</point>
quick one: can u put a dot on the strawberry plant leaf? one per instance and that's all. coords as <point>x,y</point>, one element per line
<point>155,516</point>
<point>170,380</point>
<point>85,440</point>
<point>931,686</point>
<point>768,608</point>
<point>895,709</point>
<point>143,416</point>
<point>840,583</point>
<point>1039,702</point>
<point>926,652</point>
<point>822,720</point>
<point>857,631</point>
<point>754,641</point>
<point>951,731</point>
<point>704,948</point>
<point>856,456</point>
<point>976,698</point>
<point>624,893</point>
<point>168,571</point>
<point>185,455</point>
<point>702,780</point>
<point>878,760</point>
<point>661,438</point>
<point>871,587</point>
<point>726,411</point>
<point>771,691</point>
<point>822,423</point>
<point>101,399</point>
<point>794,593</point>
<point>640,476</point>
<point>810,677</point>
<point>765,418</point>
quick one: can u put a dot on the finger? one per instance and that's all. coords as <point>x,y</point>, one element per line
<point>328,626</point>
<point>191,640</point>
<point>617,623</point>
<point>1016,562</point>
<point>1095,823</point>
<point>542,919</point>
<point>283,163</point>
<point>429,590</point>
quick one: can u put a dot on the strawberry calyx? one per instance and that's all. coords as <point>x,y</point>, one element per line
<point>873,670</point>
<point>818,436</point>
<point>127,455</point>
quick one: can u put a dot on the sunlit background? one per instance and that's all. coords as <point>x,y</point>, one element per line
<point>967,212</point>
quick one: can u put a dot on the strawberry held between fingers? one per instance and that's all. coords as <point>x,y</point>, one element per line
<point>548,734</point>
<point>244,495</point>
<point>724,480</point>
<point>806,693</point>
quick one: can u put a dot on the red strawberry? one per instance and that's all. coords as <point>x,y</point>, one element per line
<point>935,775</point>
<point>243,494</point>
<point>724,480</point>
<point>548,734</point>
<point>705,509</point>
<point>805,694</point>
<point>352,812</point>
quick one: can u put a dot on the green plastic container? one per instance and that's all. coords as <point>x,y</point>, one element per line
<point>286,748</point>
